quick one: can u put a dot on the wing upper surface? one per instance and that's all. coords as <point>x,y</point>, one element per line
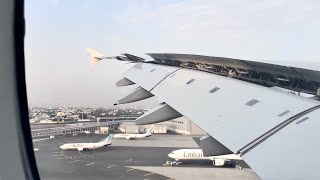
<point>274,131</point>
<point>148,75</point>
<point>292,153</point>
<point>227,109</point>
<point>233,112</point>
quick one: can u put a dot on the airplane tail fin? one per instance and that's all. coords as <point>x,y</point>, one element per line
<point>95,56</point>
<point>107,139</point>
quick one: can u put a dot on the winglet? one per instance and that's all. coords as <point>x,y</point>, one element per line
<point>95,56</point>
<point>107,139</point>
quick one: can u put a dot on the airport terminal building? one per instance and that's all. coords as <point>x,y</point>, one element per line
<point>179,125</point>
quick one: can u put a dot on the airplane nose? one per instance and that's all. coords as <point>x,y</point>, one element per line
<point>61,147</point>
<point>170,155</point>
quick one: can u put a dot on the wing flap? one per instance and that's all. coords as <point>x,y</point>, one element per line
<point>137,95</point>
<point>161,113</point>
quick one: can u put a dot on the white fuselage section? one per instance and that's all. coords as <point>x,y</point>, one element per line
<point>197,154</point>
<point>131,136</point>
<point>83,146</point>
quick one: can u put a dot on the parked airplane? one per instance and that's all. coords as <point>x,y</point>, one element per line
<point>133,136</point>
<point>197,154</point>
<point>88,146</point>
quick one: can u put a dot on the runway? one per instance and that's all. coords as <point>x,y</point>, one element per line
<point>124,159</point>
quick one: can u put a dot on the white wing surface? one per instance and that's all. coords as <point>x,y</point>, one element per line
<point>275,132</point>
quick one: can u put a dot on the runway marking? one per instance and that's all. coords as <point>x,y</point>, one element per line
<point>111,166</point>
<point>149,174</point>
<point>56,155</point>
<point>82,154</point>
<point>63,158</point>
<point>55,152</point>
<point>62,153</point>
<point>90,164</point>
<point>101,153</point>
<point>73,161</point>
<point>36,140</point>
<point>130,169</point>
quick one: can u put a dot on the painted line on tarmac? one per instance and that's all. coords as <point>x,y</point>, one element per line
<point>62,153</point>
<point>82,154</point>
<point>56,155</point>
<point>36,140</point>
<point>100,153</point>
<point>63,158</point>
<point>130,169</point>
<point>149,174</point>
<point>111,166</point>
<point>73,161</point>
<point>90,164</point>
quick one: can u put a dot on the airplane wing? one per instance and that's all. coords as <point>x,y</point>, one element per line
<point>233,101</point>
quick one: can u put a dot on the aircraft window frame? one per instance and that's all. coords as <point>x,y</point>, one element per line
<point>172,75</point>
<point>152,70</point>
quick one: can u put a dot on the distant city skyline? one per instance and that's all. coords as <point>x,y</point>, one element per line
<point>58,68</point>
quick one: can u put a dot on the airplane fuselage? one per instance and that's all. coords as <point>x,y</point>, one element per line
<point>83,146</point>
<point>133,136</point>
<point>87,146</point>
<point>197,154</point>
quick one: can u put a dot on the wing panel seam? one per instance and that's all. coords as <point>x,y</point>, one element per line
<point>274,130</point>
<point>165,77</point>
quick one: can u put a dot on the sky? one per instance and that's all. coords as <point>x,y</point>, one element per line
<point>58,68</point>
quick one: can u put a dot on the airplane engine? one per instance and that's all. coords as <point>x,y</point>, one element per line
<point>80,148</point>
<point>218,162</point>
<point>127,138</point>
